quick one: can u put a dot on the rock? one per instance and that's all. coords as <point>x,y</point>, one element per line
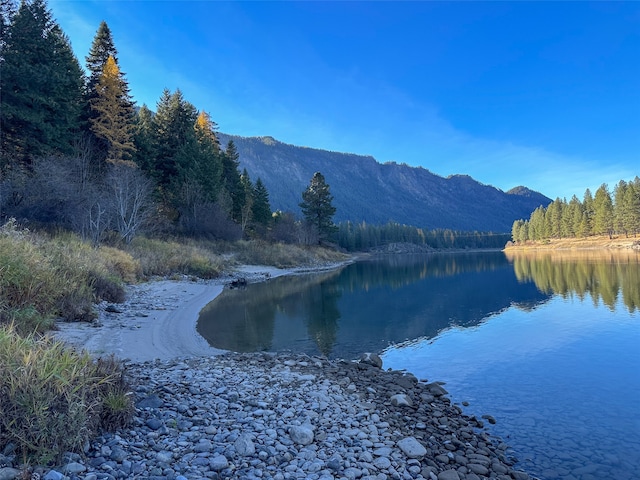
<point>371,359</point>
<point>302,435</point>
<point>382,463</point>
<point>219,462</point>
<point>53,475</point>
<point>154,423</point>
<point>412,448</point>
<point>113,309</point>
<point>436,389</point>
<point>478,469</point>
<point>489,419</point>
<point>244,445</point>
<point>401,400</point>
<point>8,473</point>
<point>151,401</point>
<point>74,468</point>
<point>448,475</point>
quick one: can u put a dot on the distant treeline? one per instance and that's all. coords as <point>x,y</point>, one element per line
<point>602,214</point>
<point>362,236</point>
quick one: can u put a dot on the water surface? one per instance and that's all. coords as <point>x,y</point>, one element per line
<point>548,344</point>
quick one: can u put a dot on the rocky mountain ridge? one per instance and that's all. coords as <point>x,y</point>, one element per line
<point>376,193</point>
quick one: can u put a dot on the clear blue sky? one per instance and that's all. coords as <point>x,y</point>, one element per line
<point>540,94</point>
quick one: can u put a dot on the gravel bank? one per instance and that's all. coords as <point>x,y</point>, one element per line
<point>288,416</point>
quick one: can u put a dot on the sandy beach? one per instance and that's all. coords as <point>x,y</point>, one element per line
<point>158,319</point>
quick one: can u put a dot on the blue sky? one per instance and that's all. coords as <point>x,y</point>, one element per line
<point>541,94</point>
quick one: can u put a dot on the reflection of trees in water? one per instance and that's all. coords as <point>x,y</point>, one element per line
<point>244,320</point>
<point>323,315</point>
<point>231,324</point>
<point>398,271</point>
<point>599,275</point>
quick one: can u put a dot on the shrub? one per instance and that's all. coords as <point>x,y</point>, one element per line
<point>52,398</point>
<point>282,255</point>
<point>164,258</point>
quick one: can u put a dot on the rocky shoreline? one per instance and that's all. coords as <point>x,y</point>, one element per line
<point>287,416</point>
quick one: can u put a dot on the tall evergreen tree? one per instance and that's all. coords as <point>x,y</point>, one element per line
<point>232,181</point>
<point>589,213</point>
<point>247,207</point>
<point>261,210</point>
<point>631,207</point>
<point>603,211</point>
<point>143,139</point>
<point>204,165</point>
<point>317,208</point>
<point>41,85</point>
<point>173,128</point>
<point>102,48</point>
<point>112,114</point>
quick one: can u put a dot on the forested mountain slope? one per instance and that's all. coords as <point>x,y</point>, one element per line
<point>365,190</point>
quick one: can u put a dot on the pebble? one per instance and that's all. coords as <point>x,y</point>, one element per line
<point>288,416</point>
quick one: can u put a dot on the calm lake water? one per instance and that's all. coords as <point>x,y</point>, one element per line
<point>548,344</point>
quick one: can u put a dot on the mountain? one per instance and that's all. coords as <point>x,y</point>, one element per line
<point>366,190</point>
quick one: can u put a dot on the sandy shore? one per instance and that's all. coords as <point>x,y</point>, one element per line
<point>158,319</point>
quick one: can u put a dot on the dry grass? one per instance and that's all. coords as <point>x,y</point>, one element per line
<point>586,243</point>
<point>53,398</point>
<point>284,255</point>
<point>43,278</point>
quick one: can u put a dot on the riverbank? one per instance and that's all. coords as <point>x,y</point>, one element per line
<point>288,416</point>
<point>158,318</point>
<point>588,243</point>
<point>205,413</point>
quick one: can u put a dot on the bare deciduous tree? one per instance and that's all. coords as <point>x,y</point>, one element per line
<point>129,200</point>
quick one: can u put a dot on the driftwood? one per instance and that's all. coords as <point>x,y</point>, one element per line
<point>238,283</point>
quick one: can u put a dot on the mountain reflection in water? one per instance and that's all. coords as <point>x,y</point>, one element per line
<point>366,306</point>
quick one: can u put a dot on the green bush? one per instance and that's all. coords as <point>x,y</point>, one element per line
<point>52,398</point>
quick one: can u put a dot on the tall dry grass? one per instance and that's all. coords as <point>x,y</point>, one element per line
<point>53,399</point>
<point>43,278</point>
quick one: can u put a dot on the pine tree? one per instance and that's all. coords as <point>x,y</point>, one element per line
<point>317,208</point>
<point>587,223</point>
<point>102,48</point>
<point>112,114</point>
<point>631,210</point>
<point>173,128</point>
<point>232,181</point>
<point>261,210</point>
<point>41,85</point>
<point>603,211</point>
<point>204,165</point>
<point>247,206</point>
<point>143,137</point>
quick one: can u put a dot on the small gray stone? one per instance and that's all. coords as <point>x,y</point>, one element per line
<point>301,434</point>
<point>382,463</point>
<point>53,475</point>
<point>244,445</point>
<point>401,400</point>
<point>219,462</point>
<point>74,468</point>
<point>371,359</point>
<point>478,469</point>
<point>151,401</point>
<point>412,448</point>
<point>8,473</point>
<point>154,423</point>
<point>164,456</point>
<point>448,475</point>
